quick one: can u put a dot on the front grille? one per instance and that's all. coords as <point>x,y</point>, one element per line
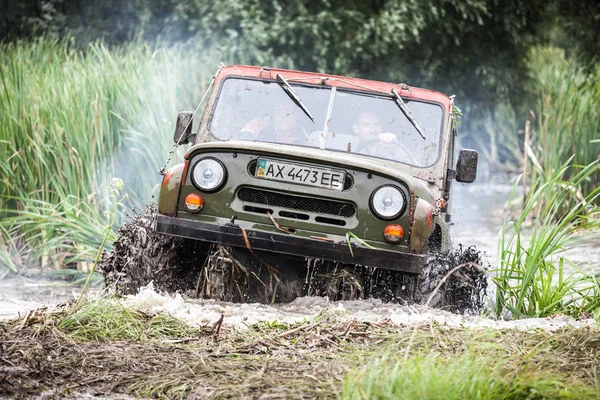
<point>309,204</point>
<point>347,182</point>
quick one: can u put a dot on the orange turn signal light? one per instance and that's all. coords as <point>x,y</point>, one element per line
<point>194,203</point>
<point>393,233</point>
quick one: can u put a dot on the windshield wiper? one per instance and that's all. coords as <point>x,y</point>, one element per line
<point>292,93</point>
<point>407,113</point>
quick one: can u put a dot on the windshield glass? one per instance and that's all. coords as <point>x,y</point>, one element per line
<point>361,123</point>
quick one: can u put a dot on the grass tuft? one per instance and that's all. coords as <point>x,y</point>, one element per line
<point>467,376</point>
<point>107,319</point>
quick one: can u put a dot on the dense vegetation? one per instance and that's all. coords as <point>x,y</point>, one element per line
<point>430,43</point>
<point>71,121</point>
<point>567,124</point>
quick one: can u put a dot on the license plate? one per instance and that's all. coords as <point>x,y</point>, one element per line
<point>300,173</point>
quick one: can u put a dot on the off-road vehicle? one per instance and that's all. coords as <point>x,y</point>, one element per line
<point>304,183</point>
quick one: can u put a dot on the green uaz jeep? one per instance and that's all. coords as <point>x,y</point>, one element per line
<point>289,167</point>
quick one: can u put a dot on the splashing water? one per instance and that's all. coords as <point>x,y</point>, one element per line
<point>206,312</point>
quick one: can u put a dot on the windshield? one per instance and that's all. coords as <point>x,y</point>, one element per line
<point>360,123</point>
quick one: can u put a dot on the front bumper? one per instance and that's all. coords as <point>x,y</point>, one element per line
<point>231,234</point>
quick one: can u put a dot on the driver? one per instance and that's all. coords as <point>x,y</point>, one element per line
<point>374,142</point>
<point>281,127</point>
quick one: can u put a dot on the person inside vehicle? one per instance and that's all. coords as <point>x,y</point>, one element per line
<point>371,139</point>
<point>280,127</point>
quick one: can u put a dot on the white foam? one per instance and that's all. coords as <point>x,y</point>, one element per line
<point>205,312</point>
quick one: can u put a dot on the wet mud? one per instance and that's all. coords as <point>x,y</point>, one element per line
<point>281,358</point>
<point>141,255</point>
<point>454,280</point>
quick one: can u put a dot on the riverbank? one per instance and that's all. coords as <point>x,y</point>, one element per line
<point>137,347</point>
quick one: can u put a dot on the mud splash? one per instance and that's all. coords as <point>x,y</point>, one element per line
<point>141,255</point>
<point>461,276</point>
<point>454,280</point>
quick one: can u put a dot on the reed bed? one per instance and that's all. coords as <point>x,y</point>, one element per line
<point>72,120</point>
<point>567,120</point>
<point>534,277</point>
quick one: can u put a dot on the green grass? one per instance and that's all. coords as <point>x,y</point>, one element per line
<point>107,319</point>
<point>534,277</point>
<point>108,346</point>
<point>466,376</point>
<point>72,120</point>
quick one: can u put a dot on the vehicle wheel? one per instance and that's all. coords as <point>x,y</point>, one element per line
<point>141,255</point>
<point>433,272</point>
<point>336,281</point>
<point>463,291</point>
<point>391,286</point>
<point>466,289</point>
<point>406,154</point>
<point>219,277</point>
<point>237,275</point>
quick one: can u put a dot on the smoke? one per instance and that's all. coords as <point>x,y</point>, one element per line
<point>169,80</point>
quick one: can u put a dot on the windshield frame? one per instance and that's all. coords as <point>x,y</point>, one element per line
<point>374,93</point>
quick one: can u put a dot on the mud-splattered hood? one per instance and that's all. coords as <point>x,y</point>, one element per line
<point>419,180</point>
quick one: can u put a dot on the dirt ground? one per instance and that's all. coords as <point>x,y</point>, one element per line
<point>42,356</point>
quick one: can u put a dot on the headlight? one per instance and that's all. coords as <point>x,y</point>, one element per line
<point>208,175</point>
<point>388,202</point>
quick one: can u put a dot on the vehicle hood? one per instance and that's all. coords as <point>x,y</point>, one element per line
<point>419,180</point>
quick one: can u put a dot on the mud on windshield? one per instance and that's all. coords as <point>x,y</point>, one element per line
<point>360,123</point>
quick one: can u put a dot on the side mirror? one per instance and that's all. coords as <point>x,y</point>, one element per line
<point>466,167</point>
<point>183,127</point>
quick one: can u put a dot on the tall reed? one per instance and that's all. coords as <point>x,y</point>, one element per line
<point>72,120</point>
<point>567,118</point>
<point>534,277</point>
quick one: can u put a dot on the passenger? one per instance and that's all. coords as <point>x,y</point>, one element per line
<point>281,127</point>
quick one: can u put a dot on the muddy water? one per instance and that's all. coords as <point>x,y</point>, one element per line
<point>478,214</point>
<point>20,294</point>
<point>477,217</point>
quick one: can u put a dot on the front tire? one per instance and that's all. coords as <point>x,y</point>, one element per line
<point>463,290</point>
<point>141,255</point>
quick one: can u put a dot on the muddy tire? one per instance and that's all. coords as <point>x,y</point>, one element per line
<point>238,275</point>
<point>427,291</point>
<point>336,281</point>
<point>141,255</point>
<point>463,291</point>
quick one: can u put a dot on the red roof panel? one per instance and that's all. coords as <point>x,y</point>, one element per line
<point>336,80</point>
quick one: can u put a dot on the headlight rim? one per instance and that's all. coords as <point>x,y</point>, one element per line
<point>219,186</point>
<point>402,209</point>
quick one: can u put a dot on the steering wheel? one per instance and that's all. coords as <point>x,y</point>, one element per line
<point>406,154</point>
<point>304,133</point>
<point>404,157</point>
<point>245,134</point>
<point>270,134</point>
<point>267,134</point>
